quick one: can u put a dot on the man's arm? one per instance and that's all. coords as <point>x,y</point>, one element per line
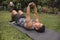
<point>28,23</point>
<point>36,16</point>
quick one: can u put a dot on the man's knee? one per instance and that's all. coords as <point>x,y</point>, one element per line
<point>14,12</point>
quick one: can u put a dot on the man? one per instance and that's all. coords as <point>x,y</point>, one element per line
<point>26,22</point>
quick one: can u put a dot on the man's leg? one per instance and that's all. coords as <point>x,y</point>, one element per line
<point>13,13</point>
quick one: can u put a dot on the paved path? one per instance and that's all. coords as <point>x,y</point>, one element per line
<point>47,35</point>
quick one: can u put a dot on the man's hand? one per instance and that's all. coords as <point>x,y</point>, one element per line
<point>32,4</point>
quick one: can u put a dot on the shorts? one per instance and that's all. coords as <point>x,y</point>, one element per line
<point>21,22</point>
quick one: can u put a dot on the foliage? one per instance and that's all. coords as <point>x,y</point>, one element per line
<point>58,4</point>
<point>24,3</point>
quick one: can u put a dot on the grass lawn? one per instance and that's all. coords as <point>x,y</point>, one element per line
<point>7,32</point>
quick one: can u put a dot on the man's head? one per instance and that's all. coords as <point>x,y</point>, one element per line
<point>39,27</point>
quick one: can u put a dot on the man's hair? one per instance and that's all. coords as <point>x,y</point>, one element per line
<point>41,30</point>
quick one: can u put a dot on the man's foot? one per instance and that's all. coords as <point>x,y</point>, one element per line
<point>11,21</point>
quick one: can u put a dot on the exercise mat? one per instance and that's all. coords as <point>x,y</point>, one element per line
<point>47,35</point>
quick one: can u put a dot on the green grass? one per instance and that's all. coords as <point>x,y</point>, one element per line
<point>8,32</point>
<point>51,21</point>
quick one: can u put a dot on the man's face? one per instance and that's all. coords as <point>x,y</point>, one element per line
<point>37,25</point>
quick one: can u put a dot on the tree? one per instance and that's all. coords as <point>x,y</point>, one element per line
<point>58,4</point>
